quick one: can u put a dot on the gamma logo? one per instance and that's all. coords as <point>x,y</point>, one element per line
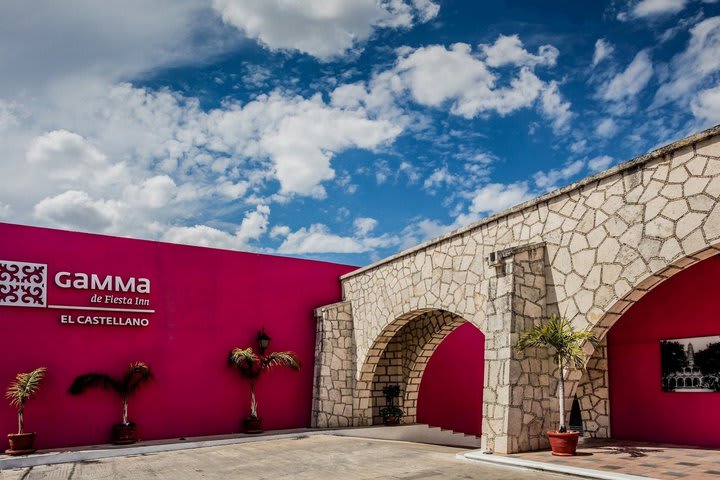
<point>126,299</point>
<point>23,284</point>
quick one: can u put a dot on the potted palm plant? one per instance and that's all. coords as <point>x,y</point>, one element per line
<point>251,366</point>
<point>566,344</point>
<point>136,374</point>
<point>391,413</point>
<point>22,389</point>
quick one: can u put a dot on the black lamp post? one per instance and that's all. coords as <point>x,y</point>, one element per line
<point>263,341</point>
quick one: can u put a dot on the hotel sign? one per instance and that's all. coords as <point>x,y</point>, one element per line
<point>114,301</point>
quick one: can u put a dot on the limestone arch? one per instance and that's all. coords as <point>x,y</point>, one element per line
<point>592,387</point>
<point>399,354</point>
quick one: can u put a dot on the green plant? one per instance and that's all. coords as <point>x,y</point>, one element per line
<point>136,374</point>
<point>391,392</point>
<point>567,343</point>
<point>22,389</point>
<point>251,366</point>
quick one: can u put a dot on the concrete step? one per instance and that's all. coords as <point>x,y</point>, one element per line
<point>420,433</point>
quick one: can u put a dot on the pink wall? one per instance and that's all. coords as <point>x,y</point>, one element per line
<point>687,305</point>
<point>207,301</point>
<point>451,391</point>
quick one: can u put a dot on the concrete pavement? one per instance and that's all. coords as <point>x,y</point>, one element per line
<point>314,457</point>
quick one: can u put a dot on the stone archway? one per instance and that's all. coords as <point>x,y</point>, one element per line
<point>406,347</point>
<point>593,388</point>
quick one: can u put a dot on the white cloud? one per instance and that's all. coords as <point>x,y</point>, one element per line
<point>438,178</point>
<point>68,157</point>
<point>279,231</point>
<point>75,209</point>
<point>5,210</point>
<point>435,75</point>
<point>509,50</point>
<point>706,106</point>
<point>603,50</point>
<point>631,81</point>
<point>578,146</point>
<point>548,180</point>
<point>555,108</point>
<point>654,8</point>
<point>321,28</point>
<point>695,67</point>
<point>253,225</point>
<point>410,171</point>
<point>606,128</point>
<point>155,192</point>
<point>600,163</point>
<point>318,239</point>
<point>364,225</point>
<point>495,197</point>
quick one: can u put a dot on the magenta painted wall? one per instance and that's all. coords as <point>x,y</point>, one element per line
<point>208,301</point>
<point>687,305</point>
<point>451,390</point>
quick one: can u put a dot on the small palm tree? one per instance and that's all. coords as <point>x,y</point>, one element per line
<point>136,374</point>
<point>567,343</point>
<point>22,389</point>
<point>251,366</point>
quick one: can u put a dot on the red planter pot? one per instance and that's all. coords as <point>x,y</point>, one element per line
<point>563,444</point>
<point>20,443</point>
<point>124,433</point>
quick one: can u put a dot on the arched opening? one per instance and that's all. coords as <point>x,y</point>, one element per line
<point>400,356</point>
<point>451,391</point>
<point>682,307</point>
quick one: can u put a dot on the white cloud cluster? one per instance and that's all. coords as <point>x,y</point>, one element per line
<point>140,161</point>
<point>631,81</point>
<point>655,8</point>
<point>694,70</point>
<point>321,28</point>
<point>319,239</point>
<point>464,81</point>
<point>548,180</point>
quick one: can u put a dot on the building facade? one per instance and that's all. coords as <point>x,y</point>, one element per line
<point>590,252</point>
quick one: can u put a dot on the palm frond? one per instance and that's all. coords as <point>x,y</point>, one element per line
<point>281,359</point>
<point>136,374</point>
<point>25,386</point>
<point>558,333</point>
<point>245,361</point>
<point>94,380</point>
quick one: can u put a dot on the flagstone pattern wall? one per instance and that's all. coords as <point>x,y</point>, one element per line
<point>587,251</point>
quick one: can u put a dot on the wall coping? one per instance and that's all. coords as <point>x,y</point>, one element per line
<point>622,167</point>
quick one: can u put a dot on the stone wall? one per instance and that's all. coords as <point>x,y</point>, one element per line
<point>605,242</point>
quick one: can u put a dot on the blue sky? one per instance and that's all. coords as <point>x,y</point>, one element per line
<point>341,130</point>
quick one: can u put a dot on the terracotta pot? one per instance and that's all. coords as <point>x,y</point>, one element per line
<point>252,424</point>
<point>563,444</point>
<point>391,420</point>
<point>20,443</point>
<point>123,433</point>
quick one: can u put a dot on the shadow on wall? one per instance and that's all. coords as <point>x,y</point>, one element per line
<point>451,392</point>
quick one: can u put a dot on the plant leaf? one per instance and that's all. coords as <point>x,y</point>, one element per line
<point>25,386</point>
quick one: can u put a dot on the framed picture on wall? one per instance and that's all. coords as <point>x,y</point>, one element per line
<point>690,364</point>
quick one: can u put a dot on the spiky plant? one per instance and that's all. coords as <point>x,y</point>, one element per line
<point>22,389</point>
<point>251,366</point>
<point>567,343</point>
<point>136,374</point>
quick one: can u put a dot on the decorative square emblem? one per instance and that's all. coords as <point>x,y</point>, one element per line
<point>23,284</point>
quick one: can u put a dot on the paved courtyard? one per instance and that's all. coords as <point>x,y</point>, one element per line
<point>314,457</point>
<point>651,460</point>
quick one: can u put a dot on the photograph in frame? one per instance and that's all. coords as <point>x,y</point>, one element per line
<point>691,364</point>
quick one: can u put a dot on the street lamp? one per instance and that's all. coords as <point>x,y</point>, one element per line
<point>263,341</point>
